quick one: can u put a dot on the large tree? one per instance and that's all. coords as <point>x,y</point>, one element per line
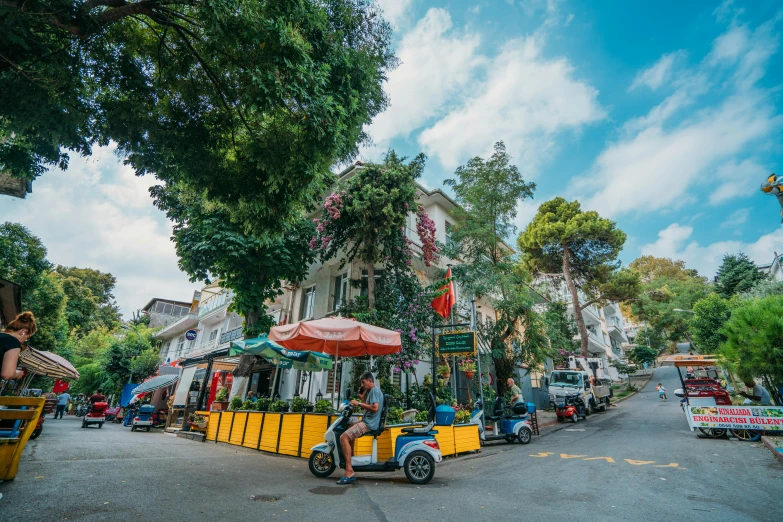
<point>706,324</point>
<point>488,192</point>
<point>651,267</point>
<point>248,101</point>
<point>583,247</point>
<point>754,338</point>
<point>101,291</point>
<point>737,273</point>
<point>660,298</point>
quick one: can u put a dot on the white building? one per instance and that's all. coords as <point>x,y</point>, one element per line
<point>773,270</point>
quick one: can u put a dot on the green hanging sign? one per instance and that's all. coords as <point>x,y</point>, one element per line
<point>463,343</point>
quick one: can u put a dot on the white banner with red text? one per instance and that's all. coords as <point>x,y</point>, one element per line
<point>735,417</point>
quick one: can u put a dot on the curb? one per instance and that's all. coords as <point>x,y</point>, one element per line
<point>640,388</point>
<point>775,451</point>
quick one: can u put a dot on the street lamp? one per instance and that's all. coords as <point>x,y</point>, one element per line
<point>129,329</point>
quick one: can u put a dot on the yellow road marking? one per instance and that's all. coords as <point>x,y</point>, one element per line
<point>607,459</point>
<point>542,454</point>
<point>567,456</point>
<point>639,462</point>
<point>672,465</point>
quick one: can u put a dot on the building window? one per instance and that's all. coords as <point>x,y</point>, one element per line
<point>448,228</point>
<point>340,291</point>
<point>308,303</point>
<point>213,334</point>
<point>180,345</point>
<point>378,276</point>
<point>535,379</point>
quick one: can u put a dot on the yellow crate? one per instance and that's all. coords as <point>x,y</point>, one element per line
<point>445,438</point>
<point>269,436</point>
<point>238,428</point>
<point>253,429</point>
<point>466,438</point>
<point>225,426</point>
<point>313,433</point>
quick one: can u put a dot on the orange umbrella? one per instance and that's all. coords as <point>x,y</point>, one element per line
<point>337,336</point>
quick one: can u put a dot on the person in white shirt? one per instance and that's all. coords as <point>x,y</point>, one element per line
<point>759,396</point>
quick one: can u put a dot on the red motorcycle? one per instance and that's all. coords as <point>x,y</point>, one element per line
<point>49,407</point>
<point>569,407</point>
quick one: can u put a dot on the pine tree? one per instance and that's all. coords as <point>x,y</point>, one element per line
<point>737,273</point>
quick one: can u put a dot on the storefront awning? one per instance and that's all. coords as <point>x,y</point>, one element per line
<point>161,381</point>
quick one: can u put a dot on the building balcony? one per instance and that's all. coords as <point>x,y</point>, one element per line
<point>616,329</point>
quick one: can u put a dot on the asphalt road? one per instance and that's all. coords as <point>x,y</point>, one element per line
<point>637,462</point>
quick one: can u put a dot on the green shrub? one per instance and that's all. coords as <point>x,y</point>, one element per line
<point>323,406</point>
<point>278,406</point>
<point>421,416</point>
<point>394,416</point>
<point>247,405</point>
<point>299,405</point>
<point>236,403</point>
<point>462,417</point>
<point>262,404</point>
<point>221,395</point>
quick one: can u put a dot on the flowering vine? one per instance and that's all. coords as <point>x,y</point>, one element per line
<point>425,227</point>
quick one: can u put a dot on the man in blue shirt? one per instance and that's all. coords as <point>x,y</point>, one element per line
<point>62,401</point>
<point>371,400</point>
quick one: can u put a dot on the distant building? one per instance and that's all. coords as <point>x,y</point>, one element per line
<point>163,312</point>
<point>15,187</point>
<point>773,270</point>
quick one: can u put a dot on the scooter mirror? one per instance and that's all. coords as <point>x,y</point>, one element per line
<point>679,393</point>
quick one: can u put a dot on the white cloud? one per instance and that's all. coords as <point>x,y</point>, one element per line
<point>664,159</point>
<point>396,12</point>
<point>736,218</point>
<point>525,101</point>
<point>437,63</point>
<point>658,73</point>
<point>673,242</point>
<point>737,180</point>
<point>526,211</point>
<point>98,214</point>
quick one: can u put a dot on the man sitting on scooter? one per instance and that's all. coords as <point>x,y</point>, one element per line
<point>370,422</point>
<point>97,397</point>
<point>516,393</point>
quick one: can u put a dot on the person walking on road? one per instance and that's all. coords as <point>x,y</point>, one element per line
<point>661,391</point>
<point>63,400</point>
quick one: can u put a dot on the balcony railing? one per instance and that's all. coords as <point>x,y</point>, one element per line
<point>231,335</point>
<point>202,348</point>
<point>213,303</point>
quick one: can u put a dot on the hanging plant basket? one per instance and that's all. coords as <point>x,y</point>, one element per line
<point>469,375</point>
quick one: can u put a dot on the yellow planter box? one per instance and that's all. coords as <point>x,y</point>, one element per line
<point>466,438</point>
<point>11,449</point>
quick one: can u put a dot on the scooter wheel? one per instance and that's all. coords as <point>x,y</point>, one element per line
<point>100,425</point>
<point>35,433</point>
<point>148,429</point>
<point>525,436</point>
<point>419,467</point>
<point>561,419</point>
<point>321,464</point>
<point>574,418</point>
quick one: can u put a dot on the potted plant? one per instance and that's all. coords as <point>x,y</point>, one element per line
<point>299,405</point>
<point>236,403</point>
<point>323,406</point>
<point>278,407</point>
<point>198,421</point>
<point>444,371</point>
<point>262,404</point>
<point>462,417</point>
<point>221,400</point>
<point>468,367</point>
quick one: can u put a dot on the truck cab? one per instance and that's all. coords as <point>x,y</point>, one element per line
<point>582,377</point>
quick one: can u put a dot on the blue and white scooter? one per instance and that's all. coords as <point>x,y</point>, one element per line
<point>416,449</point>
<point>511,427</point>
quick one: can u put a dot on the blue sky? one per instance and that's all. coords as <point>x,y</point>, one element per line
<point>664,116</point>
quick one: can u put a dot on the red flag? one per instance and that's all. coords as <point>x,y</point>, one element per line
<point>443,304</point>
<point>60,386</point>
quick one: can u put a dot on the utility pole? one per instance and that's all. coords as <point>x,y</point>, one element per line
<point>478,355</point>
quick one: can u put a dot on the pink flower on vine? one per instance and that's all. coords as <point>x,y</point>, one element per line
<point>425,227</point>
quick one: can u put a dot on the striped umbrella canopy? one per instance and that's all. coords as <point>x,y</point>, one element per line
<point>48,364</point>
<point>281,356</point>
<point>161,381</point>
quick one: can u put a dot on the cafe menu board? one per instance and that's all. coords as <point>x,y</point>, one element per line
<point>463,343</point>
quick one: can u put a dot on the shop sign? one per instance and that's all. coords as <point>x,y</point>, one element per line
<point>736,417</point>
<point>457,343</point>
<point>191,335</point>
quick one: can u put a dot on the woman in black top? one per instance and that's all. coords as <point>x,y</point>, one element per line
<point>18,331</point>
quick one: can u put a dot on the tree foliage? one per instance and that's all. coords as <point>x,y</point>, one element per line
<point>661,296</point>
<point>583,247</point>
<point>754,338</point>
<point>488,192</point>
<point>706,324</point>
<point>651,267</point>
<point>96,288</point>
<point>642,354</point>
<point>763,288</point>
<point>737,273</point>
<point>249,101</point>
<point>366,218</point>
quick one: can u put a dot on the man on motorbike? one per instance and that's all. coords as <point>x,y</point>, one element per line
<point>370,421</point>
<point>97,397</point>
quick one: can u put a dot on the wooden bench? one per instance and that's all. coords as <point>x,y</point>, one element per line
<point>11,448</point>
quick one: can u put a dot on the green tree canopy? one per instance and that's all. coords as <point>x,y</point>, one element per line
<point>488,192</point>
<point>651,267</point>
<point>642,354</point>
<point>754,338</point>
<point>249,101</point>
<point>661,296</point>
<point>583,247</point>
<point>706,324</point>
<point>738,273</point>
<point>101,292</point>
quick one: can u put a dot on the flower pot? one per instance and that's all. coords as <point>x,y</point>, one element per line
<point>469,375</point>
<point>445,376</point>
<point>220,406</point>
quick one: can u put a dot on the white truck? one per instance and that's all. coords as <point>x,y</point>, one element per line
<point>588,378</point>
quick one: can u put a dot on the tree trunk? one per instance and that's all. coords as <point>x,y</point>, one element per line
<point>580,322</point>
<point>371,286</point>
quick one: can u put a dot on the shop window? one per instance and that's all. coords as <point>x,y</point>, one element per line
<point>308,303</point>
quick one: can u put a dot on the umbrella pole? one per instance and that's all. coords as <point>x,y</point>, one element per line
<point>274,382</point>
<point>334,376</point>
